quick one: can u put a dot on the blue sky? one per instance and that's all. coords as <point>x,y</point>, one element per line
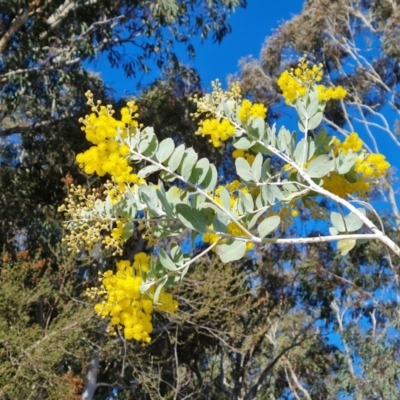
<point>250,27</point>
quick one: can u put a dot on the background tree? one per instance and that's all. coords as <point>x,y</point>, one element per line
<point>356,43</point>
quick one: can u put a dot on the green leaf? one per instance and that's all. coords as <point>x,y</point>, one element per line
<point>315,120</point>
<point>333,231</point>
<point>284,139</point>
<point>152,146</point>
<point>146,171</point>
<point>304,151</point>
<point>344,246</point>
<point>350,223</point>
<point>313,107</point>
<point>338,222</point>
<point>176,158</point>
<point>220,222</point>
<point>231,251</point>
<point>191,218</point>
<point>189,160</point>
<point>165,203</point>
<point>145,138</point>
<point>257,127</point>
<point>256,166</point>
<point>266,170</point>
<point>199,171</point>
<point>176,254</point>
<point>345,162</point>
<point>174,195</point>
<point>225,198</point>
<point>301,108</point>
<point>320,166</point>
<point>210,180</point>
<point>165,149</point>
<point>354,223</point>
<point>268,225</point>
<point>261,148</point>
<point>270,193</point>
<point>128,231</point>
<point>159,288</point>
<point>253,218</point>
<point>148,195</point>
<point>246,204</point>
<point>243,143</point>
<point>243,169</point>
<point>166,262</point>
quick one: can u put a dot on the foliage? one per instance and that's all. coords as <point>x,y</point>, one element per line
<point>43,345</point>
<point>232,217</point>
<point>44,51</point>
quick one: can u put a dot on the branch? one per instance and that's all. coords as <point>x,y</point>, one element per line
<point>91,380</point>
<point>62,11</point>
<point>27,128</point>
<point>15,25</point>
<point>252,393</point>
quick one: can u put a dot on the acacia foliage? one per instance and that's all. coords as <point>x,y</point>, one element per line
<point>43,50</point>
<point>316,157</point>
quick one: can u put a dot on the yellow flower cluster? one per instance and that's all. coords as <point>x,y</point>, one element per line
<point>373,166</point>
<point>219,131</point>
<point>331,93</point>
<point>240,153</point>
<point>337,184</point>
<point>352,142</point>
<point>107,156</point>
<point>128,309</point>
<point>249,110</point>
<point>369,167</point>
<point>297,81</point>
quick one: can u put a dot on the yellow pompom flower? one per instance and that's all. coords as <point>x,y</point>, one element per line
<point>219,131</point>
<point>129,310</point>
<point>249,110</point>
<point>296,82</point>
